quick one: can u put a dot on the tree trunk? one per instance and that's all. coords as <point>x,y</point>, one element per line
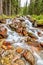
<point>6,6</point>
<point>9,7</point>
<point>1,10</point>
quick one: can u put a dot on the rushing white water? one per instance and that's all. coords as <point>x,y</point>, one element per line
<point>34,30</point>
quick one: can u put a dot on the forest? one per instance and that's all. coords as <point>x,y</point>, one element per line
<point>21,32</point>
<point>9,7</point>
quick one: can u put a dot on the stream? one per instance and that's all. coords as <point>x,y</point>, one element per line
<point>19,40</point>
<point>30,28</point>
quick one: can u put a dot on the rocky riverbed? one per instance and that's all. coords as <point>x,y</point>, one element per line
<point>20,42</point>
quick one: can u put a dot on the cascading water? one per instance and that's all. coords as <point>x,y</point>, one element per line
<point>12,35</point>
<point>33,30</point>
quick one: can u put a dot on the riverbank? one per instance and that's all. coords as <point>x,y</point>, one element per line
<point>38,18</point>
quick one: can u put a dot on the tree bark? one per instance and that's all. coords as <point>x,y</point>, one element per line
<point>6,6</point>
<point>9,7</point>
<point>1,10</point>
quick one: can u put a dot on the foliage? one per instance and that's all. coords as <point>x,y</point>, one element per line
<point>39,18</point>
<point>25,8</point>
<point>31,8</point>
<point>15,6</point>
<point>6,17</point>
<point>35,7</point>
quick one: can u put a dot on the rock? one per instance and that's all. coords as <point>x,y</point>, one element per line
<point>16,57</point>
<point>31,35</point>
<point>41,45</point>
<point>29,57</point>
<point>1,42</point>
<point>28,16</point>
<point>34,23</point>
<point>6,45</point>
<point>17,16</point>
<point>3,21</point>
<point>20,62</point>
<point>21,19</point>
<point>15,64</point>
<point>19,50</point>
<point>3,32</point>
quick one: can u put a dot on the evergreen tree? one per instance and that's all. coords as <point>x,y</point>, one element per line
<point>37,7</point>
<point>31,7</point>
<point>41,7</point>
<point>25,8</point>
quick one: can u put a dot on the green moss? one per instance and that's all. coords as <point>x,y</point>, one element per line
<point>39,19</point>
<point>4,16</point>
<point>40,22</point>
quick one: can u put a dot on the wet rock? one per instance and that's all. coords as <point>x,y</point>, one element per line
<point>32,36</point>
<point>20,62</point>
<point>15,24</point>
<point>41,45</point>
<point>19,50</point>
<point>16,57</point>
<point>21,19</point>
<point>15,64</point>
<point>10,56</point>
<point>6,45</point>
<point>29,57</point>
<point>19,28</point>
<point>32,42</point>
<point>3,21</point>
<point>3,32</point>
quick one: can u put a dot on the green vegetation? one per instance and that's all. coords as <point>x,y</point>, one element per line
<point>38,18</point>
<point>6,17</point>
<point>35,7</point>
